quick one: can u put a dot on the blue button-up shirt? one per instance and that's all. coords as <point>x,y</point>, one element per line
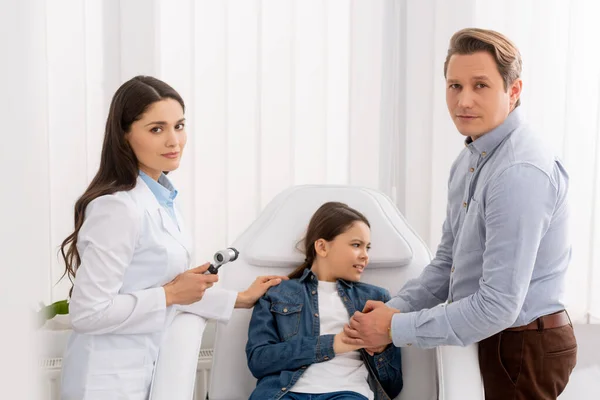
<point>164,191</point>
<point>504,250</point>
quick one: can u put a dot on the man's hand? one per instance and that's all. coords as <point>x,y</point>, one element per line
<point>376,350</point>
<point>371,329</point>
<point>372,305</point>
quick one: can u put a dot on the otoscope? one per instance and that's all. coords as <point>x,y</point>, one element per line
<point>222,257</point>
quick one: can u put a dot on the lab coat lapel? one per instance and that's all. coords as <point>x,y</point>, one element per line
<point>178,233</point>
<point>157,211</point>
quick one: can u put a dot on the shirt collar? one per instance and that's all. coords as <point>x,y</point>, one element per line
<point>309,275</point>
<point>163,190</point>
<point>488,142</point>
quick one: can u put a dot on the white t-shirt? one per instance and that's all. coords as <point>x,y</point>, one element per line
<point>343,372</point>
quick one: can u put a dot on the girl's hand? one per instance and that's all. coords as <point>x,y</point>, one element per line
<point>339,347</point>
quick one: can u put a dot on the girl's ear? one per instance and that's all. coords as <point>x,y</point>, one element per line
<point>321,247</point>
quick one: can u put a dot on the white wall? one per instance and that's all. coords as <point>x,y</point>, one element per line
<point>20,210</point>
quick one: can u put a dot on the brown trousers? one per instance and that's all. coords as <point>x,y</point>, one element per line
<point>527,365</point>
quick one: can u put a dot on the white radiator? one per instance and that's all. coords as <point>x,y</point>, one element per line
<point>50,372</point>
<point>51,367</point>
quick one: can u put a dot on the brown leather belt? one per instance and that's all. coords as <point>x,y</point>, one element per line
<point>550,321</point>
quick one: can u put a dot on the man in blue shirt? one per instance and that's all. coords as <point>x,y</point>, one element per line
<point>499,272</point>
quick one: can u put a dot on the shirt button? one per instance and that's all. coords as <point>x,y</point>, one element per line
<point>325,358</point>
<point>313,292</point>
<point>283,389</point>
<point>409,344</point>
<point>285,310</point>
<point>471,169</point>
<point>483,154</point>
<point>452,270</point>
<point>316,314</point>
<point>465,205</point>
<point>380,359</point>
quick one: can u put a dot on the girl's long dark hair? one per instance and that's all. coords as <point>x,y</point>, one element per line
<point>118,164</point>
<point>331,219</point>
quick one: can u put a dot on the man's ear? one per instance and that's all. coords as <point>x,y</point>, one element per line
<point>514,91</point>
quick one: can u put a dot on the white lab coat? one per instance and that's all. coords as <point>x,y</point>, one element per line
<point>129,247</point>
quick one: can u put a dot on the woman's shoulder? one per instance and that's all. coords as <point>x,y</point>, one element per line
<point>118,205</point>
<point>138,197</point>
<point>120,197</point>
<point>111,217</point>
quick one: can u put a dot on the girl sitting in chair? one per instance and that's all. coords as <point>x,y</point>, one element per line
<point>294,344</point>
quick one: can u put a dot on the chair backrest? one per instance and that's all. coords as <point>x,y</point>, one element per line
<point>175,370</point>
<point>268,246</point>
<point>458,373</point>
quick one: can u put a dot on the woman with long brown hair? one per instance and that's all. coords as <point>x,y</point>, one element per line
<point>129,255</point>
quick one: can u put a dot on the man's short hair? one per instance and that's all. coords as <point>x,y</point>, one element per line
<point>504,51</point>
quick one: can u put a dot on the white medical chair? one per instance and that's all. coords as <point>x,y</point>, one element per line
<point>268,246</point>
<point>458,372</point>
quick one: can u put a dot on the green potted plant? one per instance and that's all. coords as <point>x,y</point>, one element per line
<point>49,312</point>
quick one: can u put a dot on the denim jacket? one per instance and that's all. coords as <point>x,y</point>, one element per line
<point>284,338</point>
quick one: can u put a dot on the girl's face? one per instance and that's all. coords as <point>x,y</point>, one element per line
<point>158,137</point>
<point>346,256</point>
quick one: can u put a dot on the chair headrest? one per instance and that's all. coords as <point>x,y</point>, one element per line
<point>273,240</point>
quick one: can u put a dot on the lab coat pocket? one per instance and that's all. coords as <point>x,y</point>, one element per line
<point>126,371</point>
